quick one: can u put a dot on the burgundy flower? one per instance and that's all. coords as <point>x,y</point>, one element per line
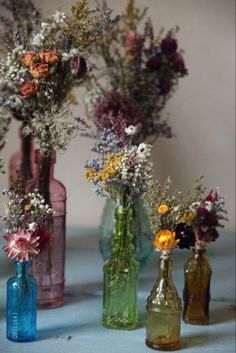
<point>78,67</point>
<point>212,196</point>
<point>118,105</point>
<point>211,220</point>
<point>179,64</point>
<point>133,43</point>
<point>186,236</point>
<point>43,237</point>
<point>165,87</point>
<point>169,45</point>
<point>202,212</point>
<point>154,63</point>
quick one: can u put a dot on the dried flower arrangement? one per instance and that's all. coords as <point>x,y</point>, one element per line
<point>26,215</point>
<point>34,73</point>
<point>141,72</point>
<point>123,170</point>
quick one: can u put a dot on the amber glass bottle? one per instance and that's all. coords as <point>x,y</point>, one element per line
<point>164,311</point>
<point>197,289</point>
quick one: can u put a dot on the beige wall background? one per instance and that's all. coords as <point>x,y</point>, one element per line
<point>202,111</point>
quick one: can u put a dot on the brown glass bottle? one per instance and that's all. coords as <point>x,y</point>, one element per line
<point>197,289</point>
<point>164,312</point>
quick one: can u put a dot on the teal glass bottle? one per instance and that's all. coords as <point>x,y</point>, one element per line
<point>164,311</point>
<point>120,277</point>
<point>21,305</point>
<point>141,231</point>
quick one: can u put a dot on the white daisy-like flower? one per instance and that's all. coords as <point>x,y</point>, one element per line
<point>143,151</point>
<point>131,130</point>
<point>59,17</point>
<point>32,226</point>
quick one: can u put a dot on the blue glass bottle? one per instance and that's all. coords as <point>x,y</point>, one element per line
<point>21,305</point>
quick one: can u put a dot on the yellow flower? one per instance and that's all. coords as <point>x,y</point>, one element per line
<point>27,207</point>
<point>163,209</point>
<point>165,240</point>
<point>188,217</point>
<point>89,174</point>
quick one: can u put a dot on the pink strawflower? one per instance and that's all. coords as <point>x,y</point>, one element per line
<point>21,245</point>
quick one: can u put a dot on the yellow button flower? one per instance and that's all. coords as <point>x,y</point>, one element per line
<point>163,209</point>
<point>165,240</point>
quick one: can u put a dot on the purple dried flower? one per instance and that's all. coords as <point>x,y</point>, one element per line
<point>202,212</point>
<point>179,64</point>
<point>211,220</point>
<point>78,67</point>
<point>169,45</point>
<point>119,107</point>
<point>154,63</point>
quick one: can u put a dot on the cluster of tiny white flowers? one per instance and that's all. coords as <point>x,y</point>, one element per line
<point>72,54</point>
<point>11,69</point>
<point>59,17</point>
<point>38,203</point>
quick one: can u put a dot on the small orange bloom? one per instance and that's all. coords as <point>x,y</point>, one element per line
<point>39,70</point>
<point>49,56</point>
<point>28,89</point>
<point>29,58</point>
<point>165,240</point>
<point>163,209</point>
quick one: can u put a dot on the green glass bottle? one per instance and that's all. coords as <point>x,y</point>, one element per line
<point>197,272</point>
<point>120,277</point>
<point>164,311</point>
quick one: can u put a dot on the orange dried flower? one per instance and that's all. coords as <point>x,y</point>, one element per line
<point>39,70</point>
<point>29,58</point>
<point>165,240</point>
<point>49,56</point>
<point>163,208</point>
<point>28,89</point>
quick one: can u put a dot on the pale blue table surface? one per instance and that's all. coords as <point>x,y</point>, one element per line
<point>76,328</point>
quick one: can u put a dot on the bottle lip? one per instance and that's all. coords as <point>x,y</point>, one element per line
<point>40,155</point>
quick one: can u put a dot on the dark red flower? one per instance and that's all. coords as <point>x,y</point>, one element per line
<point>169,45</point>
<point>186,236</point>
<point>78,67</point>
<point>154,63</point>
<point>212,196</point>
<point>211,220</point>
<point>44,238</point>
<point>165,87</point>
<point>179,64</point>
<point>202,212</point>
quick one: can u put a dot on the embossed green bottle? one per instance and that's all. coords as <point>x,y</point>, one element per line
<point>120,277</point>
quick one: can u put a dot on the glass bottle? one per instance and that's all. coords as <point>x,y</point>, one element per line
<point>22,161</point>
<point>164,311</point>
<point>140,229</point>
<point>21,305</point>
<point>120,277</point>
<point>197,272</point>
<point>49,266</point>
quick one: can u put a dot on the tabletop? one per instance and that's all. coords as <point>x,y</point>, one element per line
<point>76,326</point>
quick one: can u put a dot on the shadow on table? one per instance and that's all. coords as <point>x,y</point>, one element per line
<point>224,313</point>
<point>66,332</point>
<point>82,292</point>
<point>203,340</point>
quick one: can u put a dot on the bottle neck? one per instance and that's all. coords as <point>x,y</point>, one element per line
<point>199,253</point>
<point>122,240</point>
<point>22,269</point>
<point>165,269</point>
<point>45,166</point>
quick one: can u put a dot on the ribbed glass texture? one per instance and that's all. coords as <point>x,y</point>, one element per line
<point>120,277</point>
<point>49,266</point>
<point>21,305</point>
<point>164,311</point>
<point>140,231</point>
<point>197,272</point>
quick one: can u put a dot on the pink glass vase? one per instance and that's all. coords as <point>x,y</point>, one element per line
<point>48,267</point>
<point>22,161</point>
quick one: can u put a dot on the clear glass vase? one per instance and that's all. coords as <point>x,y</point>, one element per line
<point>197,273</point>
<point>141,231</point>
<point>49,266</point>
<point>21,305</point>
<point>22,161</point>
<point>120,277</point>
<point>164,311</point>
